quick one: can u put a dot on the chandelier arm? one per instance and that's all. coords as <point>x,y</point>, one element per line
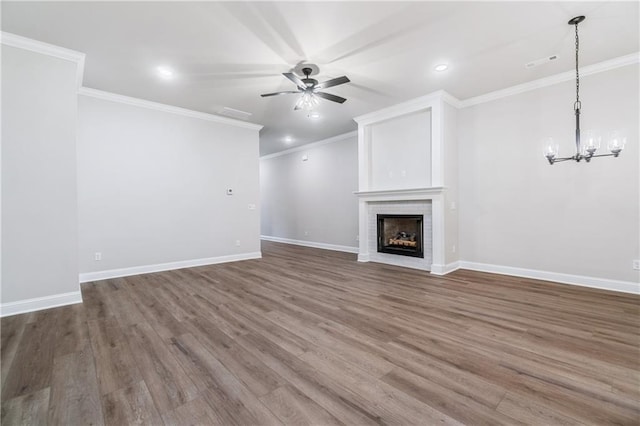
<point>605,155</point>
<point>558,160</point>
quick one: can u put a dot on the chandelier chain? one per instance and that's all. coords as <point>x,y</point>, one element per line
<point>577,104</point>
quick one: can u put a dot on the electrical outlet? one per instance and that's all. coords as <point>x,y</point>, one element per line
<point>357,237</point>
<point>237,243</point>
<point>636,265</point>
<point>97,256</point>
<point>306,233</point>
<point>453,249</point>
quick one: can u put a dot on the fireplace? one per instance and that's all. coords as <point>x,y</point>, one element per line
<point>400,234</point>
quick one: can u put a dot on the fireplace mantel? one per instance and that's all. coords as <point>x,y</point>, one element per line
<point>400,194</point>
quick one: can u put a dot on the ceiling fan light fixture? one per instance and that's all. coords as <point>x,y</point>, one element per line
<point>307,101</point>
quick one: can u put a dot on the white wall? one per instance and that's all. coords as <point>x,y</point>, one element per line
<point>152,188</point>
<point>451,182</point>
<point>517,210</point>
<point>39,197</point>
<point>400,152</point>
<point>312,200</point>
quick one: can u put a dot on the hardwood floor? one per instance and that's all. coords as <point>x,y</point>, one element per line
<point>307,336</point>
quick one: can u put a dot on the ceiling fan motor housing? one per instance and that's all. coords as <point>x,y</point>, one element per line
<point>310,82</point>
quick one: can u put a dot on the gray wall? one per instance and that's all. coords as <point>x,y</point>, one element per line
<point>312,200</point>
<point>39,196</point>
<point>516,210</point>
<point>152,187</point>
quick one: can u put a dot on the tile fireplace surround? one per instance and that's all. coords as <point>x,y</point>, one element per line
<point>398,202</point>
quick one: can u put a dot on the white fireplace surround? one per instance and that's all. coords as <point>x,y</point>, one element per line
<point>425,201</point>
<point>436,199</point>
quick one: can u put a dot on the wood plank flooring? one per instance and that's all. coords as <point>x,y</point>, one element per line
<point>307,336</point>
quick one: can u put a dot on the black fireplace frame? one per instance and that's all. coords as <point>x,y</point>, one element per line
<point>404,251</point>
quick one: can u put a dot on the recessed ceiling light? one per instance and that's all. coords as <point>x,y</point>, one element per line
<point>165,73</point>
<point>288,139</point>
<point>314,115</point>
<point>441,67</point>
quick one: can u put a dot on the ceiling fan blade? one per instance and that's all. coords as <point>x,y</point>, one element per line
<point>332,82</point>
<point>291,76</point>
<point>330,97</point>
<point>280,93</point>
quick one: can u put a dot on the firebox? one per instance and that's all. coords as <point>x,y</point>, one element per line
<point>400,234</point>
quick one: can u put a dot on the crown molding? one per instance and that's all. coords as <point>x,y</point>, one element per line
<point>312,145</point>
<point>408,107</point>
<point>112,97</point>
<point>13,40</point>
<point>611,64</point>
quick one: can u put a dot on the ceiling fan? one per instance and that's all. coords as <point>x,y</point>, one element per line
<point>309,88</point>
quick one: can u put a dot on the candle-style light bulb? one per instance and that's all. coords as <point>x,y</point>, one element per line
<point>550,149</point>
<point>616,143</point>
<point>590,143</point>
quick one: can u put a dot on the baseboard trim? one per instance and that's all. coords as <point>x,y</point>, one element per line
<point>444,269</point>
<point>312,244</point>
<point>40,303</point>
<point>149,269</point>
<point>578,280</point>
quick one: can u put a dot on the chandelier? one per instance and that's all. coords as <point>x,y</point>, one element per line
<point>585,149</point>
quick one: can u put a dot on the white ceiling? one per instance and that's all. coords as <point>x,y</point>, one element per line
<point>228,53</point>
